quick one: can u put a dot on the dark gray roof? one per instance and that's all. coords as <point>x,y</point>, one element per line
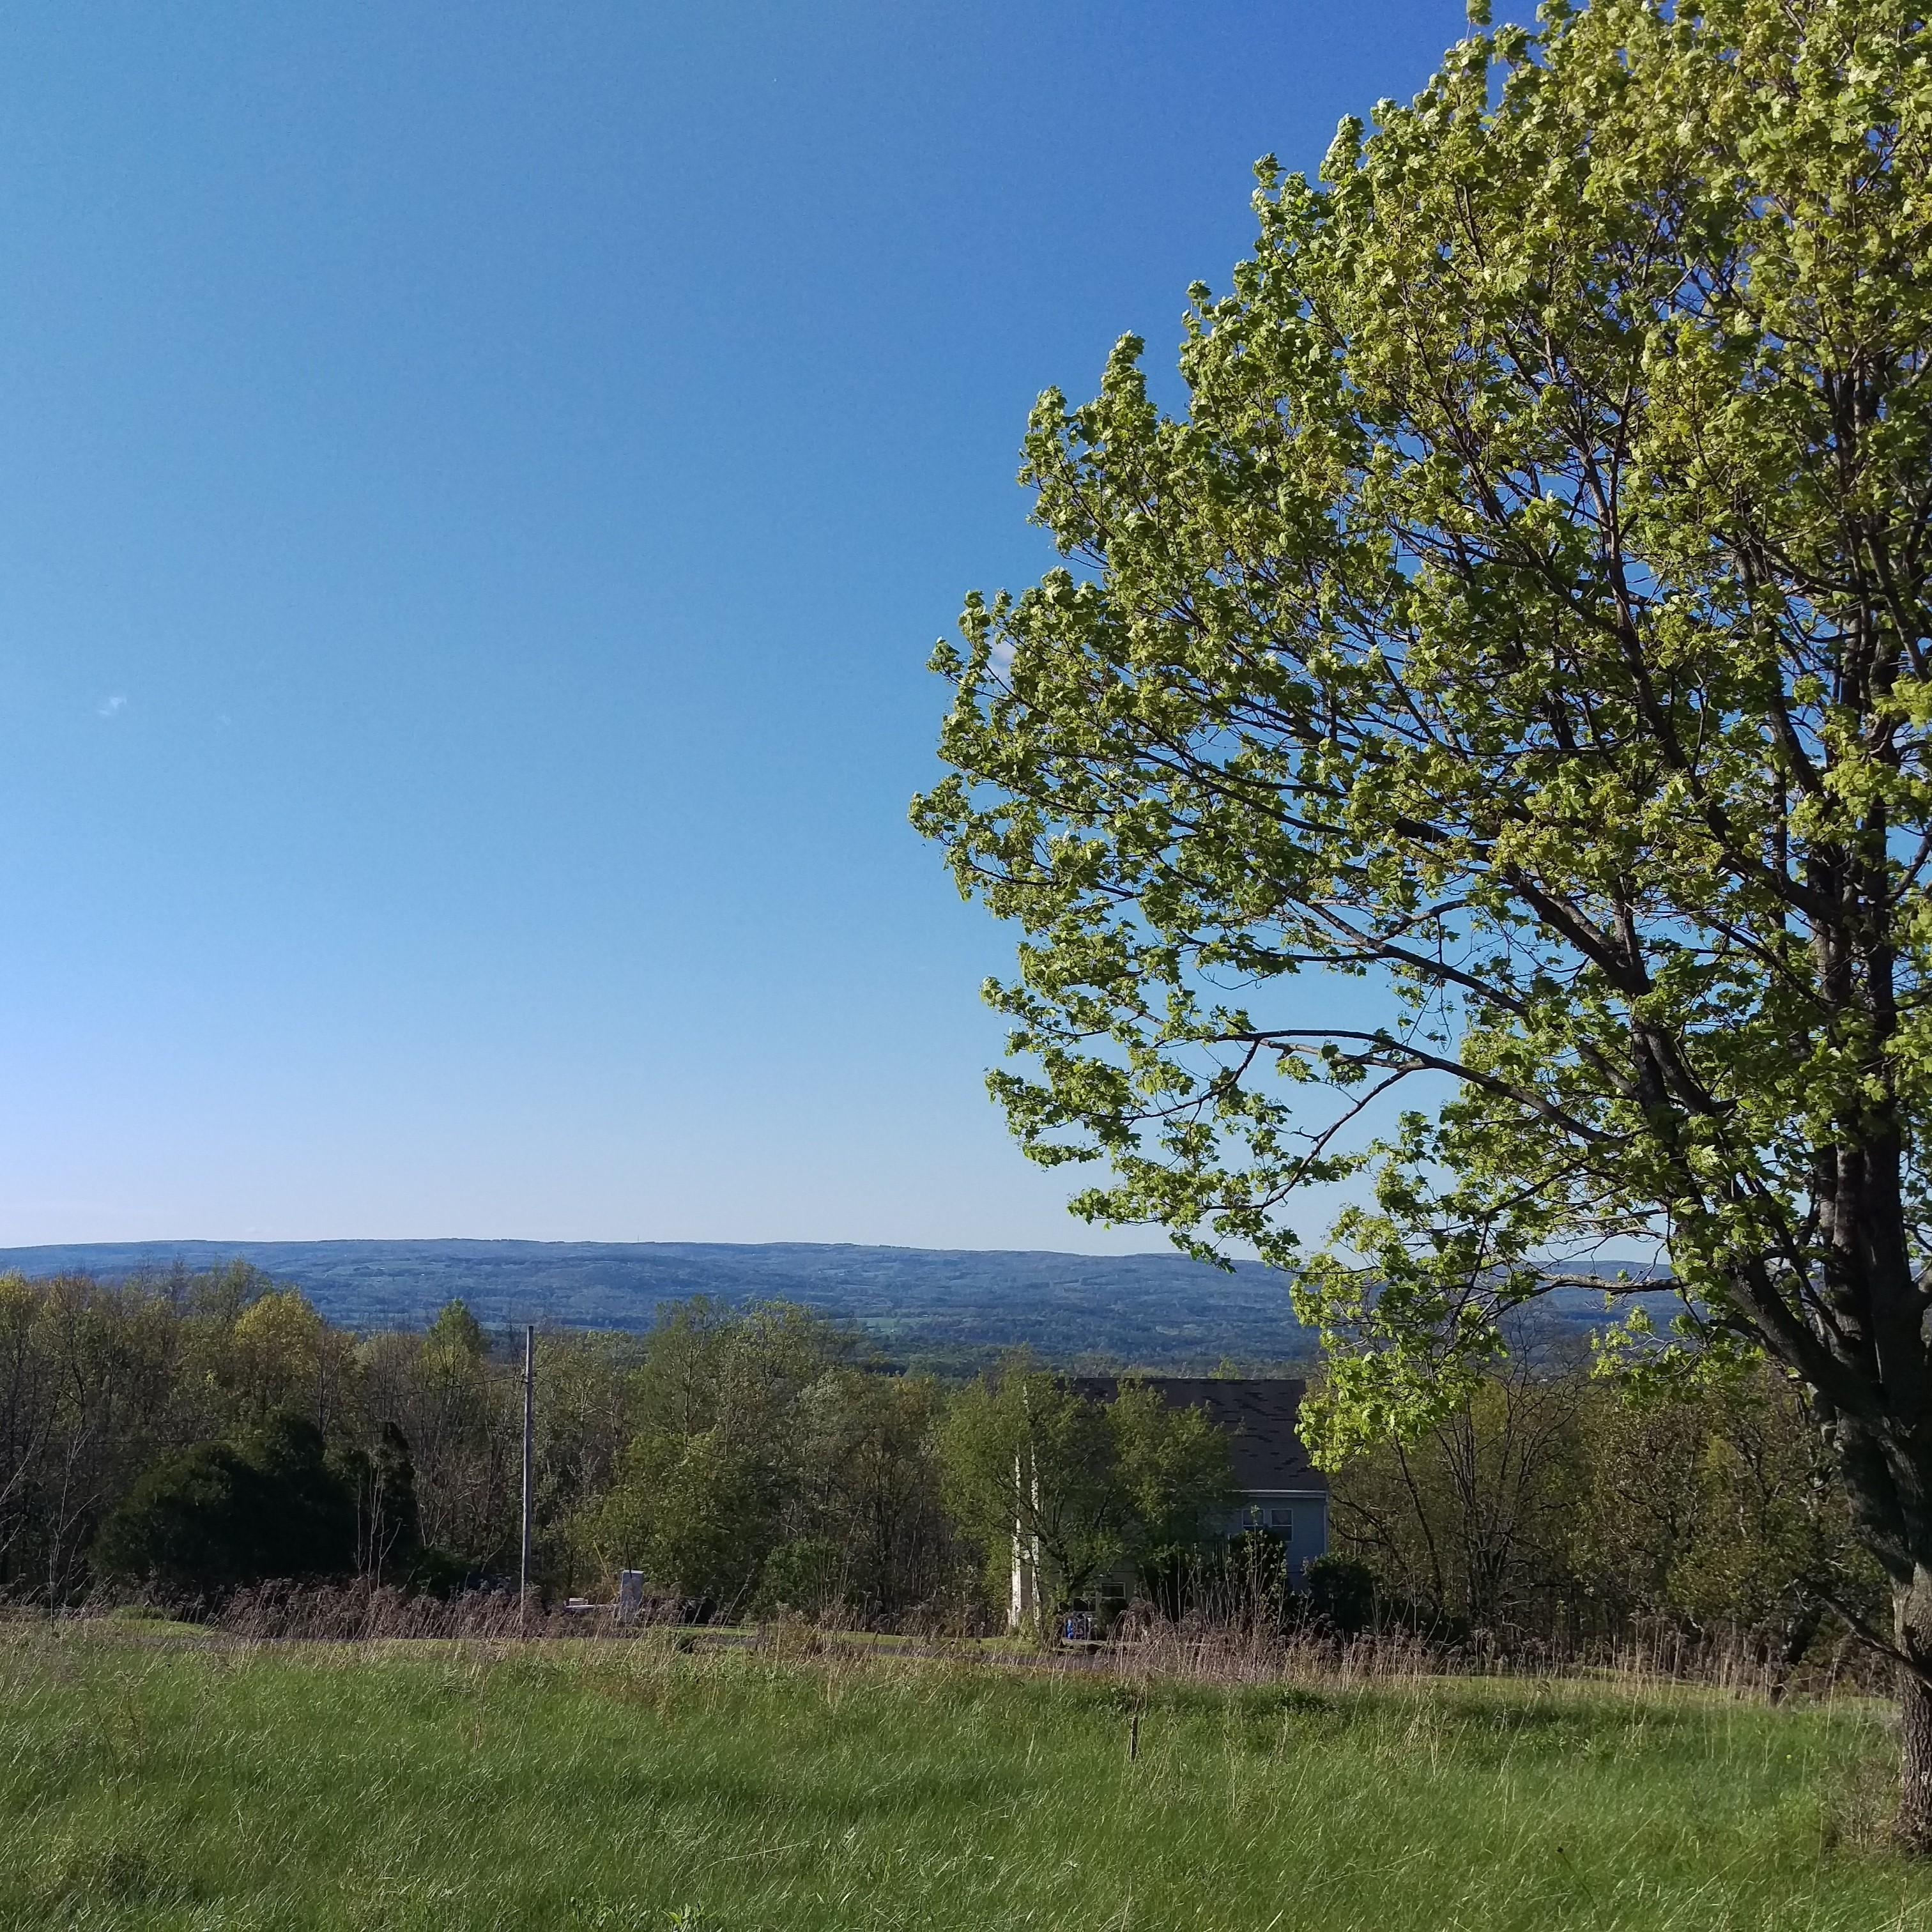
<point>1258,1416</point>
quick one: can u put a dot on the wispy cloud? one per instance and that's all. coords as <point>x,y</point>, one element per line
<point>109,705</point>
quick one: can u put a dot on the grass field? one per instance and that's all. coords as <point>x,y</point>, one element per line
<point>156,1783</point>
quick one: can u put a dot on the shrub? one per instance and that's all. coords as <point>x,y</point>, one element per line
<point>1342,1591</point>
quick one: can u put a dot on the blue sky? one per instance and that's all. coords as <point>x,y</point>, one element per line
<point>480,487</point>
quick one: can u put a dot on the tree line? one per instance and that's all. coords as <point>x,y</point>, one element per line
<point>183,1436</point>
<point>186,1435</point>
<point>1554,1506</point>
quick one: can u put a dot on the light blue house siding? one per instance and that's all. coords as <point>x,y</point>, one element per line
<point>1300,1517</point>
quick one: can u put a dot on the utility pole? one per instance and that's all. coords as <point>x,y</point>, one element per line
<point>530,1468</point>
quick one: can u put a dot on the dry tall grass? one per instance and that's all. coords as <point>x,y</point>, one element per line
<point>1147,1649</point>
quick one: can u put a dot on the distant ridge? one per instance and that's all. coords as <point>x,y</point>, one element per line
<point>945,1306</point>
<point>1149,1309</point>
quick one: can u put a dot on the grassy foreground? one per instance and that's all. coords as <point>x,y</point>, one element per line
<point>154,1783</point>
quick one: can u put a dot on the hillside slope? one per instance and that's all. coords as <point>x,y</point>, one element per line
<point>942,1305</point>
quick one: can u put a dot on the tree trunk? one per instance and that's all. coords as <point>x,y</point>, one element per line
<point>1914,1827</point>
<point>1912,1613</point>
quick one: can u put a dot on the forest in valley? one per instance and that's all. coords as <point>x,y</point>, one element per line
<point>175,1439</point>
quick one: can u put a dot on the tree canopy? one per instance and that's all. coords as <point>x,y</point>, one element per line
<point>1088,1481</point>
<point>1527,614</point>
<point>219,1514</point>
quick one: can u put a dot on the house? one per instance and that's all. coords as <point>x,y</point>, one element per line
<point>1277,1489</point>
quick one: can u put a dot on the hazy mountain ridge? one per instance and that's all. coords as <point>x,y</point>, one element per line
<point>1155,1310</point>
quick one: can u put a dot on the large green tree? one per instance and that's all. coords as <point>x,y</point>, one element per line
<point>1087,1481</point>
<point>208,1518</point>
<point>701,1492</point>
<point>1530,613</point>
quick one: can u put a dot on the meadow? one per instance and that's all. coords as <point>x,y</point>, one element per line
<point>160,1781</point>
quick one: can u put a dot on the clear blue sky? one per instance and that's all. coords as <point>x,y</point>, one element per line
<point>480,486</point>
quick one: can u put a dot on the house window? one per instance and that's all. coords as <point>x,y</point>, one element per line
<point>1281,1522</point>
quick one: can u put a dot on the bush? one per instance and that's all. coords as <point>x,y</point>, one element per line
<point>806,1575</point>
<point>1342,1592</point>
<point>432,1572</point>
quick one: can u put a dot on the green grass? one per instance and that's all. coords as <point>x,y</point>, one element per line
<point>165,1783</point>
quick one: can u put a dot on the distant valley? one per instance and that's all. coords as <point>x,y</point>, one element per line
<point>930,1306</point>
